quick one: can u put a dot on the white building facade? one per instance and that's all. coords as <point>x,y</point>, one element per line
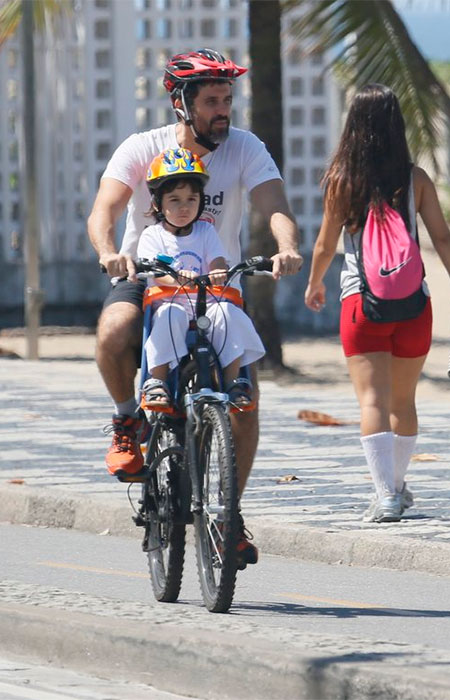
<point>99,79</point>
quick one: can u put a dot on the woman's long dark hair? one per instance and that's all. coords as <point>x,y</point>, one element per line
<point>372,163</point>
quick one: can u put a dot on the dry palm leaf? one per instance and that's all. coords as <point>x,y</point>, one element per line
<point>425,457</point>
<point>320,418</point>
<point>287,478</point>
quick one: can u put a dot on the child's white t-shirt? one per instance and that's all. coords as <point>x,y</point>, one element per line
<point>194,252</point>
<point>239,164</point>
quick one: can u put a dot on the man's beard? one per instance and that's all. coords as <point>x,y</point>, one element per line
<point>218,133</point>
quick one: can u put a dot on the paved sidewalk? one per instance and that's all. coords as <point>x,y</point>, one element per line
<point>306,494</point>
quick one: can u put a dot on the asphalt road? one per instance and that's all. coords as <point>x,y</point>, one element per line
<point>279,595</point>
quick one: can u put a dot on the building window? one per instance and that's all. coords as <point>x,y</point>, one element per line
<point>163,57</point>
<point>79,209</point>
<point>142,88</point>
<point>12,58</point>
<point>14,182</point>
<point>296,116</point>
<point>143,58</point>
<point>164,28</point>
<point>297,176</point>
<point>11,89</point>
<point>186,29</point>
<point>318,147</point>
<point>142,4</point>
<point>103,150</point>
<point>185,4</point>
<point>297,147</point>
<point>316,175</point>
<point>318,86</point>
<point>102,4</point>
<point>14,211</point>
<point>296,86</point>
<point>209,3</point>
<point>103,88</point>
<point>230,28</point>
<point>294,56</point>
<point>318,116</point>
<point>102,29</point>
<point>102,59</point>
<point>77,151</point>
<point>13,151</point>
<point>317,205</point>
<point>298,205</point>
<point>78,89</point>
<point>103,119</point>
<point>208,28</point>
<point>143,29</point>
<point>143,118</point>
<point>163,4</point>
<point>12,122</point>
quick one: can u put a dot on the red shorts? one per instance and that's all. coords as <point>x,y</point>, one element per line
<point>359,335</point>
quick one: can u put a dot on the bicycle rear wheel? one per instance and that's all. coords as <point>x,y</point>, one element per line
<point>216,527</point>
<point>166,542</point>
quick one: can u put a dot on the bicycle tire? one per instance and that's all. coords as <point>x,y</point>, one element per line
<point>167,535</point>
<point>216,527</point>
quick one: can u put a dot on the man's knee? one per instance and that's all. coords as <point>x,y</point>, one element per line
<point>120,325</point>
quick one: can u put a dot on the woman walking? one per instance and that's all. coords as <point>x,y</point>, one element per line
<point>371,172</point>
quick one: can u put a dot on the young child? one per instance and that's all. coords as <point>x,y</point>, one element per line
<point>176,179</point>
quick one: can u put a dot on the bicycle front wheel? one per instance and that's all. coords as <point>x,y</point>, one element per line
<point>216,527</point>
<point>166,543</point>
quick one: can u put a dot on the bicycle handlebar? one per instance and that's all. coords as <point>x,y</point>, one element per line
<point>161,267</point>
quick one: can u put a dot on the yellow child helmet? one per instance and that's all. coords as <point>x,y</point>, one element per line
<point>175,163</point>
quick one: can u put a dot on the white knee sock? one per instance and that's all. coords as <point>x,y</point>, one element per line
<point>379,452</point>
<point>403,448</point>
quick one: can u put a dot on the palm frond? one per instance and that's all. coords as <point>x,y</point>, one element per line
<point>372,42</point>
<point>44,11</point>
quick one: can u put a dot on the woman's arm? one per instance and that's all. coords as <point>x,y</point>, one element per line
<point>427,204</point>
<point>323,254</point>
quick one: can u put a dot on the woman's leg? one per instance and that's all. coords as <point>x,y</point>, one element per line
<point>405,375</point>
<point>371,377</point>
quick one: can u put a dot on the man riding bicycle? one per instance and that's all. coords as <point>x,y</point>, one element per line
<point>200,88</point>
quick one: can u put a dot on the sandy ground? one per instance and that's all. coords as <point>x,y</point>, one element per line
<point>315,361</point>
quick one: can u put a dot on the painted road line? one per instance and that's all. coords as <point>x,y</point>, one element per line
<point>91,569</point>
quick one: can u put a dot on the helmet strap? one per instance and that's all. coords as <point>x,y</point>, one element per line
<point>186,116</point>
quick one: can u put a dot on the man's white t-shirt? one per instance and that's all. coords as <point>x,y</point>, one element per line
<point>239,164</point>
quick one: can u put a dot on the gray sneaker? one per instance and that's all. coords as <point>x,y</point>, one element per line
<point>406,497</point>
<point>384,510</point>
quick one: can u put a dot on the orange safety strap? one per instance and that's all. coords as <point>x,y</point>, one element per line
<point>165,292</point>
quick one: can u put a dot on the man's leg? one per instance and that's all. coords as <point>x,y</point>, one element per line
<point>245,429</point>
<point>119,337</point>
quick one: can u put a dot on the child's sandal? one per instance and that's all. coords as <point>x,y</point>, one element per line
<point>239,392</point>
<point>156,393</point>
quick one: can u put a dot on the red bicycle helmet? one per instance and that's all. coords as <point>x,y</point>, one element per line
<point>204,64</point>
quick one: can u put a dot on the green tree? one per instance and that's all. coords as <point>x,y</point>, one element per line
<point>29,16</point>
<point>369,43</point>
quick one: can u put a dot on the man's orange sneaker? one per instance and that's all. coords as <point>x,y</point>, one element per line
<point>124,457</point>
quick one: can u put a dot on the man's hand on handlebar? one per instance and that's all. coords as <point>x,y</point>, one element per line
<point>287,262</point>
<point>119,265</point>
<point>185,277</point>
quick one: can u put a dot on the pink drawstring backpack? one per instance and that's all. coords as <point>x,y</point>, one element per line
<point>390,268</point>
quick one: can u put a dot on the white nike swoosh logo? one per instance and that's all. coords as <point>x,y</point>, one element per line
<point>386,272</point>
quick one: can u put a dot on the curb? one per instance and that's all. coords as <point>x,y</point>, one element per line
<point>33,506</point>
<point>213,666</point>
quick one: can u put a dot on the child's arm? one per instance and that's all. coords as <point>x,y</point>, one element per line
<point>218,270</point>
